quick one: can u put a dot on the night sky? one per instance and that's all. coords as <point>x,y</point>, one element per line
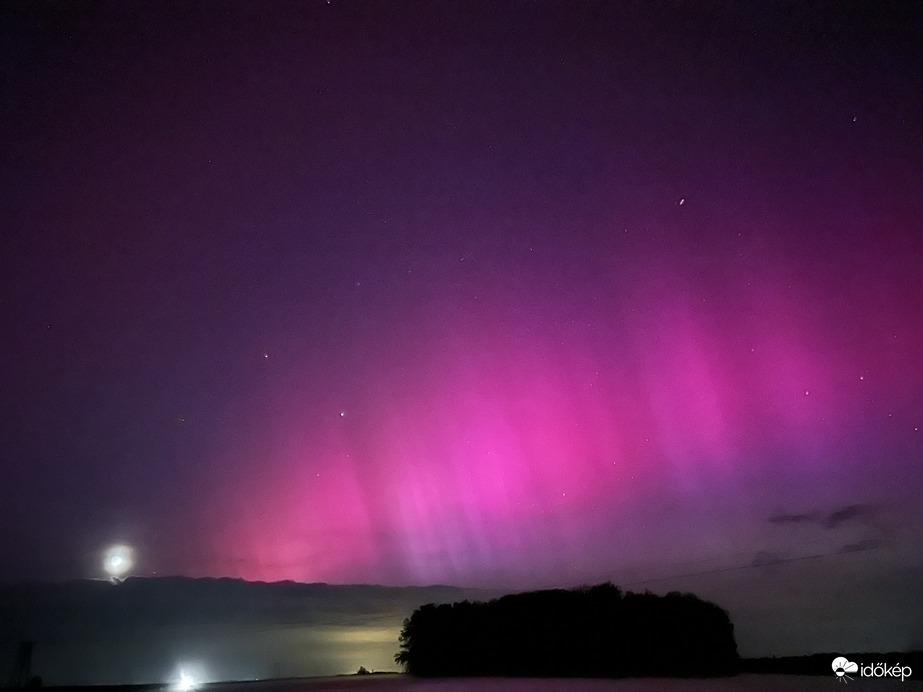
<point>503,295</point>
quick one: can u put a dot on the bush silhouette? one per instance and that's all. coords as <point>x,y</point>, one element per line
<point>589,632</point>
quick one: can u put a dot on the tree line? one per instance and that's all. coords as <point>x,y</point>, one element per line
<point>596,631</point>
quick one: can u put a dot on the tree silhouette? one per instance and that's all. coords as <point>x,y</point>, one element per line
<point>589,632</point>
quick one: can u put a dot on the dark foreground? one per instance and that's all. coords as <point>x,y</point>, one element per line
<point>398,683</point>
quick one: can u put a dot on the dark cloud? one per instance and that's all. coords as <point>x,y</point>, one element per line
<point>836,518</point>
<point>828,521</point>
<point>792,518</point>
<point>858,546</point>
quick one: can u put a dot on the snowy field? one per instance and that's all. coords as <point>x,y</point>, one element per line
<point>741,683</point>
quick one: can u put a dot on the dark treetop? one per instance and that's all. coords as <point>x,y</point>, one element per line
<point>588,632</point>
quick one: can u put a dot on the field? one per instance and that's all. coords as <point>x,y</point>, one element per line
<point>400,683</point>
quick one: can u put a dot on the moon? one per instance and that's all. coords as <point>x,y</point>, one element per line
<point>118,560</point>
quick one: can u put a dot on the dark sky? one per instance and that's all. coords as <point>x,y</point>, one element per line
<point>491,294</point>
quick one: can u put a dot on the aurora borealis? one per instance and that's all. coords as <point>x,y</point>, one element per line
<point>521,295</point>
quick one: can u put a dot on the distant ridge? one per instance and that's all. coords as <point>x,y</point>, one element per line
<point>820,664</point>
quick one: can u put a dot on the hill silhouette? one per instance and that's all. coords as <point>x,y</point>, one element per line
<point>596,631</point>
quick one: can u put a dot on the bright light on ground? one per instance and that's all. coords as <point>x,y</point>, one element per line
<point>187,678</point>
<point>185,683</point>
<point>118,560</point>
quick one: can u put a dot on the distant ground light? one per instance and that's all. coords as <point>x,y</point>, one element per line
<point>188,677</point>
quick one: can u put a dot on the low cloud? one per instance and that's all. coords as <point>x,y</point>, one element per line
<point>846,514</point>
<point>858,546</point>
<point>792,518</point>
<point>829,521</point>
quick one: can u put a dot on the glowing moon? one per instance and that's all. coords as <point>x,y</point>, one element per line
<point>118,560</point>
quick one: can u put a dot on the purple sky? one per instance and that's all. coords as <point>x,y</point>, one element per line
<point>516,295</point>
